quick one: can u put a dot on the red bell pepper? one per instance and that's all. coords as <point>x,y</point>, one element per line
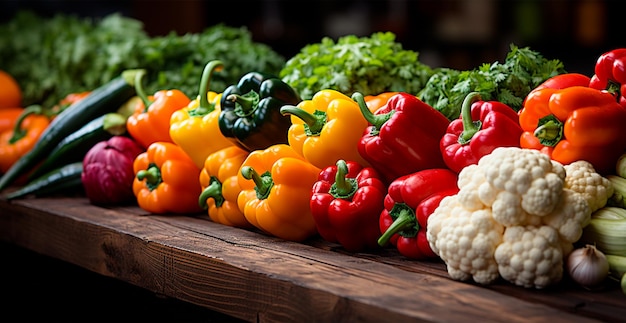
<point>346,202</point>
<point>403,136</point>
<point>610,74</point>
<point>482,127</point>
<point>410,200</point>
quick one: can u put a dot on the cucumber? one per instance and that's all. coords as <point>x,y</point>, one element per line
<point>63,179</point>
<point>74,147</point>
<point>107,98</point>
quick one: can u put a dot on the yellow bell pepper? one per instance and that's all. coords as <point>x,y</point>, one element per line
<point>195,128</point>
<point>326,128</point>
<point>275,193</point>
<point>220,187</point>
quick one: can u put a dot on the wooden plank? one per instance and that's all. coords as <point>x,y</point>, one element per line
<point>255,277</point>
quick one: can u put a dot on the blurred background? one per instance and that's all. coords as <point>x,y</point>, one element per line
<point>460,34</point>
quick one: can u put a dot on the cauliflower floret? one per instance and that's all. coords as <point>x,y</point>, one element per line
<point>530,256</point>
<point>519,184</point>
<point>570,216</point>
<point>583,178</point>
<point>465,240</point>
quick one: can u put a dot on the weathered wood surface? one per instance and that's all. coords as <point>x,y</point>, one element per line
<point>259,278</point>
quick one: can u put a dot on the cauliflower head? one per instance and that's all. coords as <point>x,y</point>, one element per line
<point>518,184</point>
<point>466,240</point>
<point>530,256</point>
<point>513,218</point>
<point>582,177</point>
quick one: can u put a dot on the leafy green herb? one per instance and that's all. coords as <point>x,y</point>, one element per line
<point>52,57</point>
<point>369,65</point>
<point>508,82</point>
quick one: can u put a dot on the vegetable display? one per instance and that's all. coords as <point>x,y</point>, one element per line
<point>513,171</point>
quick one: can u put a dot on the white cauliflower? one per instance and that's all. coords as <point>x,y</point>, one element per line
<point>509,188</point>
<point>582,177</point>
<point>530,256</point>
<point>466,240</point>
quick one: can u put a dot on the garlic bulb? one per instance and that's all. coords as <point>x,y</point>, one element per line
<point>588,266</point>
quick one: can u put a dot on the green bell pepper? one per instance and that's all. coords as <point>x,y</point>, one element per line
<point>250,111</point>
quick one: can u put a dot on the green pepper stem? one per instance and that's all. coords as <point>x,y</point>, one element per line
<point>18,131</point>
<point>470,127</point>
<point>152,175</point>
<point>214,190</point>
<point>404,219</point>
<point>615,89</point>
<point>141,93</point>
<point>549,130</point>
<point>264,183</point>
<point>376,120</point>
<point>247,102</point>
<point>343,187</point>
<point>204,107</point>
<point>314,122</point>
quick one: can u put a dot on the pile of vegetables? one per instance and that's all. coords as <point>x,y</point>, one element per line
<point>525,186</point>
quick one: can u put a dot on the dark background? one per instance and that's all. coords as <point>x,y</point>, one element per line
<point>460,34</point>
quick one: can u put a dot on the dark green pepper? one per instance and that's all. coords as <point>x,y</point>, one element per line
<point>250,111</point>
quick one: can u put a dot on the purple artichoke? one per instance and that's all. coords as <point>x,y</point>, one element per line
<point>108,171</point>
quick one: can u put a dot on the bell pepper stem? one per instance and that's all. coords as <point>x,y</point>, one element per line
<point>263,183</point>
<point>152,175</point>
<point>549,130</point>
<point>404,223</point>
<point>470,127</point>
<point>376,120</point>
<point>343,187</point>
<point>204,106</point>
<point>615,89</point>
<point>141,92</point>
<point>213,190</point>
<point>245,104</point>
<point>314,122</point>
<point>18,131</point>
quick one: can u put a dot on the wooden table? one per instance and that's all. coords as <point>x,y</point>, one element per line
<point>258,278</point>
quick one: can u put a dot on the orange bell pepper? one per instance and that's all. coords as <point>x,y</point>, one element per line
<point>195,128</point>
<point>275,192</point>
<point>220,186</point>
<point>166,180</point>
<point>375,102</point>
<point>8,116</point>
<point>16,142</point>
<point>574,123</point>
<point>326,128</point>
<point>151,120</point>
